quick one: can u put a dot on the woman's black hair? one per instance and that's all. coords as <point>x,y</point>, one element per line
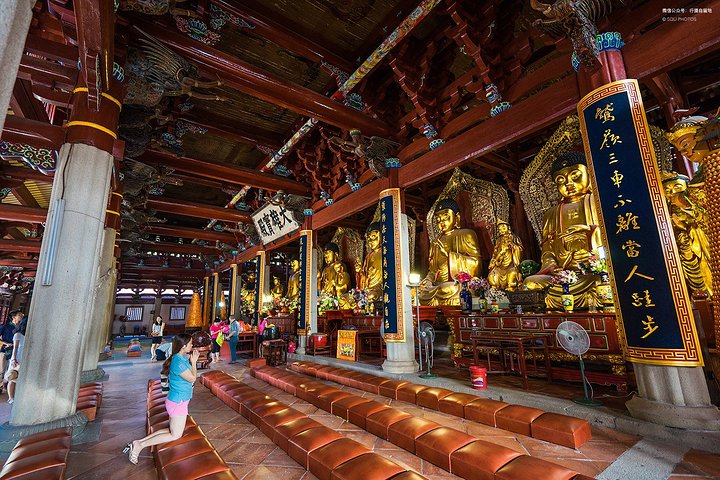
<point>178,342</point>
<point>22,326</point>
<point>218,320</point>
<point>156,319</point>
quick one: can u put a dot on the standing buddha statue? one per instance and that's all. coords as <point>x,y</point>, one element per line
<point>370,270</point>
<point>570,233</point>
<point>455,250</point>
<point>293,291</point>
<point>504,264</point>
<point>688,221</point>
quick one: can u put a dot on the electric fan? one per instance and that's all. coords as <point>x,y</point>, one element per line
<point>426,334</point>
<point>574,339</point>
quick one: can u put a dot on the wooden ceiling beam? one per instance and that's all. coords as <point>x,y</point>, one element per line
<point>146,271</point>
<point>10,172</point>
<point>29,263</point>
<point>27,246</point>
<point>32,132</point>
<point>186,248</point>
<point>25,105</point>
<point>226,173</point>
<point>18,213</point>
<point>249,79</point>
<point>196,210</point>
<point>183,232</point>
<point>284,34</point>
<point>236,132</point>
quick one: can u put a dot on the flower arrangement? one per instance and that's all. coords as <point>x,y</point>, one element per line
<point>361,297</point>
<point>564,277</point>
<point>497,295</point>
<point>594,265</point>
<point>479,286</point>
<point>327,302</point>
<point>463,277</point>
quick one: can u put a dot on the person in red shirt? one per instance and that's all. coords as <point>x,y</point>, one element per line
<point>215,329</point>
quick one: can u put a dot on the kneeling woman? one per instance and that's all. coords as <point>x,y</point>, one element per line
<point>181,372</point>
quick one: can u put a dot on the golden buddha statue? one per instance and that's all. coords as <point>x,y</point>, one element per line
<point>293,291</point>
<point>570,233</point>
<point>370,270</point>
<point>456,250</point>
<point>277,291</point>
<point>504,264</point>
<point>334,279</point>
<point>248,293</point>
<point>688,221</point>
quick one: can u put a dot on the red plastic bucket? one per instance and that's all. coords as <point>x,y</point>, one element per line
<point>478,377</point>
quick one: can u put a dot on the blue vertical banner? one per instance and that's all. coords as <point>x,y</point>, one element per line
<point>233,289</point>
<point>259,283</point>
<point>305,281</point>
<point>391,265</point>
<point>650,293</point>
<point>215,296</point>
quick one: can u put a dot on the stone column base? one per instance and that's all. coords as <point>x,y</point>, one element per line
<point>706,417</point>
<point>10,434</point>
<point>87,376</point>
<point>302,345</point>
<point>400,366</point>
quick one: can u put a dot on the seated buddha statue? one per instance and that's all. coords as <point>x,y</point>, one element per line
<point>370,270</point>
<point>277,291</point>
<point>570,233</point>
<point>504,264</point>
<point>293,291</point>
<point>248,293</point>
<point>455,250</point>
<point>334,279</point>
<point>688,221</point>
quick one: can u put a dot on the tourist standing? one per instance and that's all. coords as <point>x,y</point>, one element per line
<point>158,328</point>
<point>233,338</point>
<point>215,331</point>
<point>12,373</point>
<point>182,373</point>
<point>7,331</point>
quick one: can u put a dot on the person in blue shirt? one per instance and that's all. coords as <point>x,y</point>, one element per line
<point>7,332</point>
<point>233,338</point>
<point>182,373</point>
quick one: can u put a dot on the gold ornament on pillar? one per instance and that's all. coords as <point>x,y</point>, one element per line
<point>194,319</point>
<point>570,234</point>
<point>688,219</point>
<point>504,272</point>
<point>455,250</point>
<point>698,139</point>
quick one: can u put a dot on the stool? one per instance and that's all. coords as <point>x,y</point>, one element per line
<point>275,352</point>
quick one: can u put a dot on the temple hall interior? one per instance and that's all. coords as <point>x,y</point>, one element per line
<point>359,239</point>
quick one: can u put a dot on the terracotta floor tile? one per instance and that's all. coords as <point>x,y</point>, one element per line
<point>478,429</point>
<point>601,450</point>
<point>257,437</point>
<point>241,471</point>
<point>434,472</point>
<point>275,473</point>
<point>309,476</point>
<point>278,458</point>
<point>362,437</point>
<point>539,448</point>
<point>403,458</point>
<point>81,462</point>
<point>585,467</point>
<point>247,454</point>
<point>509,442</point>
<point>227,431</point>
<point>702,462</point>
<point>330,421</point>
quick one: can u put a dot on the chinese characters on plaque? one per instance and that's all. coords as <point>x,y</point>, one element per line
<point>392,275</point>
<point>654,303</point>
<point>273,222</point>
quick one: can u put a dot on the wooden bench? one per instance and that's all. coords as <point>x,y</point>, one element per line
<point>42,456</point>
<point>563,430</point>
<point>319,449</point>
<point>89,399</point>
<point>190,456</point>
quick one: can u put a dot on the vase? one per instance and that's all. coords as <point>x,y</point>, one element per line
<point>465,299</point>
<point>482,304</point>
<point>494,307</point>
<point>568,301</point>
<point>605,294</point>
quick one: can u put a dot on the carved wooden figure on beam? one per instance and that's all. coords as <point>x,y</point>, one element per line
<point>373,149</point>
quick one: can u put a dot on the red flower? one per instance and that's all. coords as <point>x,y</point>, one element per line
<point>463,277</point>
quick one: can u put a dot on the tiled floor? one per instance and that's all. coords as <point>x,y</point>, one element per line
<point>251,455</point>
